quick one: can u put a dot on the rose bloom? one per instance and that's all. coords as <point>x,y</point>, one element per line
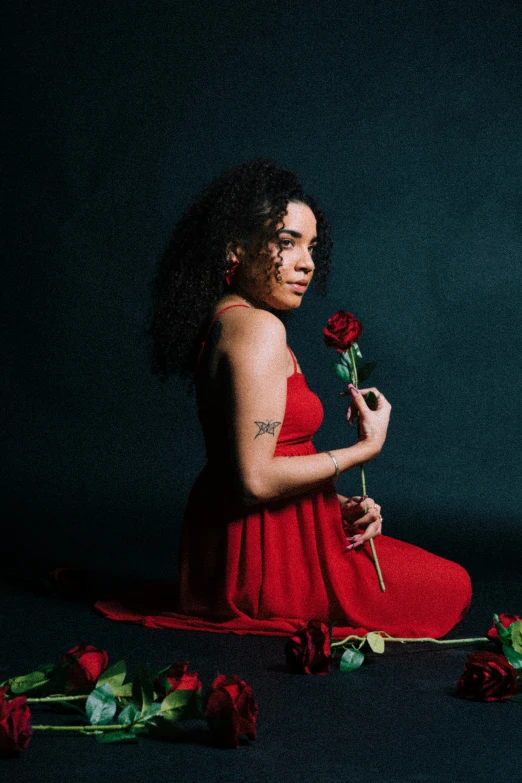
<point>342,330</point>
<point>15,725</point>
<point>176,678</point>
<point>85,663</point>
<point>506,620</point>
<point>308,650</point>
<point>487,676</point>
<point>231,710</point>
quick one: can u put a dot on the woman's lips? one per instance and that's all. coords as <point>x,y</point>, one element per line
<point>300,288</point>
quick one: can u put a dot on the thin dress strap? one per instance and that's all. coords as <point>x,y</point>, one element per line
<point>213,321</point>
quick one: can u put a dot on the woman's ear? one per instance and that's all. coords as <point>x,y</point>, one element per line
<point>235,253</point>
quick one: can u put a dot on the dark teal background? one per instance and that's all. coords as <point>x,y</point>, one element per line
<point>404,118</point>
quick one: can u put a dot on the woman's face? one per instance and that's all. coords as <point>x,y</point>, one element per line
<point>292,263</point>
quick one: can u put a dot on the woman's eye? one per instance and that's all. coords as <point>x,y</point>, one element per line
<point>282,243</point>
<point>312,248</point>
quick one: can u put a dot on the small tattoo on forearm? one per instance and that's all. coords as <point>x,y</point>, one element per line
<point>268,427</point>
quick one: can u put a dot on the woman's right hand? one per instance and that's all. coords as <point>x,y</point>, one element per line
<point>373,424</point>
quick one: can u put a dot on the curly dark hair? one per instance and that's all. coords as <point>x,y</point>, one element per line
<point>244,206</point>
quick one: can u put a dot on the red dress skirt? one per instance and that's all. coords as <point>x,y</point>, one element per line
<point>269,569</point>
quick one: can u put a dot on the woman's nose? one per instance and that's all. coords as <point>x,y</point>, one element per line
<point>306,262</point>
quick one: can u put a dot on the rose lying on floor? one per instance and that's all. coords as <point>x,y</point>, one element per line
<point>176,678</point>
<point>117,711</point>
<point>308,650</point>
<point>231,710</point>
<point>487,676</point>
<point>84,663</point>
<point>15,724</point>
<point>505,620</point>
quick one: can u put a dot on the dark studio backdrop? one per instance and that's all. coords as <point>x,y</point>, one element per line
<point>404,118</point>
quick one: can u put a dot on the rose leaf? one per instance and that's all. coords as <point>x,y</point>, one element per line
<point>115,675</point>
<point>343,373</point>
<point>123,691</point>
<point>100,707</point>
<point>347,358</point>
<point>153,710</point>
<point>177,705</point>
<point>142,690</point>
<point>375,642</point>
<point>366,370</point>
<point>371,401</point>
<point>516,635</point>
<point>351,660</point>
<point>514,658</point>
<point>27,682</point>
<point>128,715</point>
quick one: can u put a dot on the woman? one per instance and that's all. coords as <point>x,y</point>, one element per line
<point>267,544</point>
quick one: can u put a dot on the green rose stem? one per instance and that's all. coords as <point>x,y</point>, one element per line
<point>90,729</point>
<point>51,699</point>
<point>363,479</point>
<point>388,638</point>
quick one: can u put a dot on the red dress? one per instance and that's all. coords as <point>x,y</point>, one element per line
<point>269,569</point>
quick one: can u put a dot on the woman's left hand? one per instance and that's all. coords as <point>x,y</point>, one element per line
<point>362,520</point>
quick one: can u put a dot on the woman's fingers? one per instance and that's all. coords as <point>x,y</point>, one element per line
<point>372,531</point>
<point>373,422</point>
<point>351,507</point>
<point>372,389</point>
<point>370,522</point>
<point>373,514</point>
<point>361,512</point>
<point>359,393</point>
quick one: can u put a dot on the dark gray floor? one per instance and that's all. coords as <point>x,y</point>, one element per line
<point>395,719</point>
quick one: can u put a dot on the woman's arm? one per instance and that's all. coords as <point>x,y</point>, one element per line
<point>255,357</point>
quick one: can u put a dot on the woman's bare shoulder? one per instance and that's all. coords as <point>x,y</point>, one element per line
<point>253,330</point>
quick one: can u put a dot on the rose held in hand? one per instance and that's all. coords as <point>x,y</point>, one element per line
<point>342,330</point>
<point>308,651</point>
<point>487,676</point>
<point>85,663</point>
<point>15,725</point>
<point>231,710</point>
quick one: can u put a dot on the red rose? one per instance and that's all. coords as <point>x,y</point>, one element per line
<point>85,664</point>
<point>487,676</point>
<point>231,710</point>
<point>308,651</point>
<point>176,678</point>
<point>342,330</point>
<point>506,620</point>
<point>15,725</point>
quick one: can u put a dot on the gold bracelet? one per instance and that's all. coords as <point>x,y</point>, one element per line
<point>336,465</point>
